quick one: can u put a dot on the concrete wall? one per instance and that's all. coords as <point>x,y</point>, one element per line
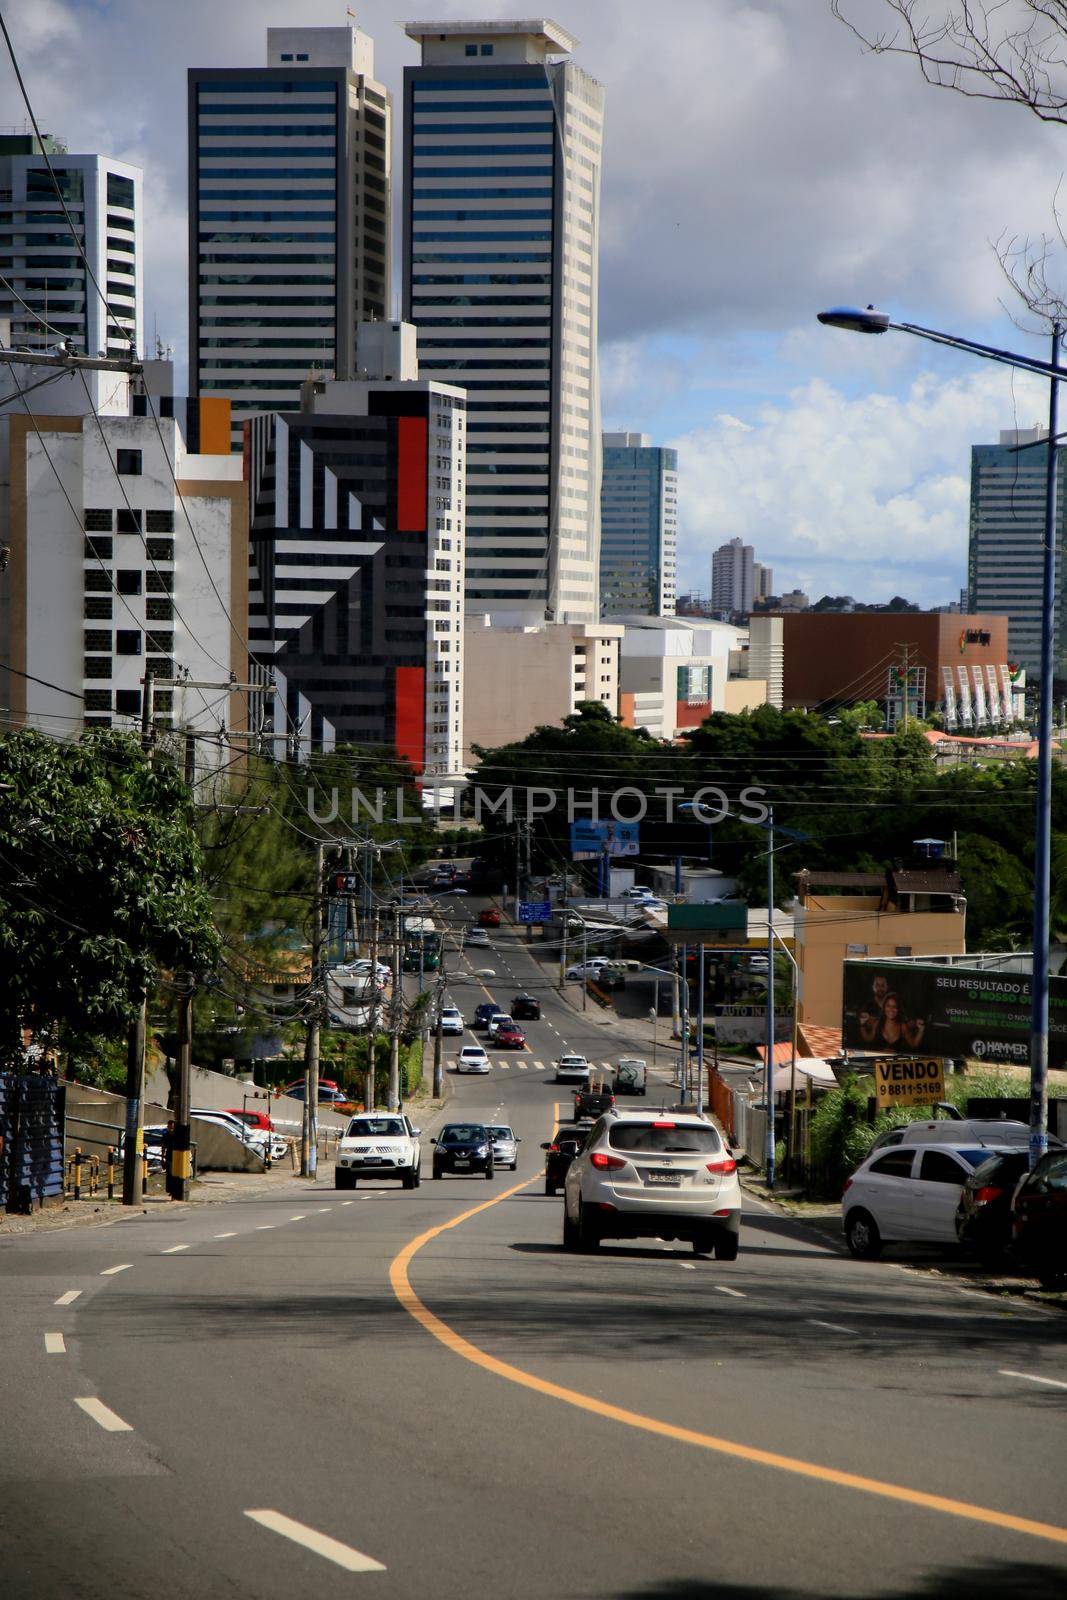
<point>831,927</point>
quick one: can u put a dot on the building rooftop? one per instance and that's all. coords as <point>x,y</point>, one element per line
<point>554,39</point>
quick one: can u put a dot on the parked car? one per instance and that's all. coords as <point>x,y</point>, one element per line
<point>1039,1220</point>
<point>451,1020</point>
<point>498,1020</point>
<point>525,1008</point>
<point>509,1036</point>
<point>378,1146</point>
<point>463,1147</point>
<point>472,1058</point>
<point>651,905</point>
<point>572,1069</point>
<point>637,892</point>
<point>631,1076</point>
<point>559,1154</point>
<point>580,970</point>
<point>641,1176</point>
<point>907,1193</point>
<point>251,1119</point>
<point>505,1145</point>
<point>489,918</point>
<point>983,1216</point>
<point>487,1009</point>
<point>475,936</point>
<point>592,1103</point>
<point>956,1130</point>
<point>330,1093</point>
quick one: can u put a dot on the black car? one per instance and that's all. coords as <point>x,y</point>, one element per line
<point>484,1012</point>
<point>525,1008</point>
<point>1039,1221</point>
<point>560,1153</point>
<point>592,1103</point>
<point>983,1216</point>
<point>463,1148</point>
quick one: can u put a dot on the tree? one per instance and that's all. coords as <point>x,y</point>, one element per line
<point>102,883</point>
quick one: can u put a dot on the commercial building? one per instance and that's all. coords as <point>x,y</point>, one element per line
<point>46,276</point>
<point>958,666</point>
<point>762,582</point>
<point>289,216</point>
<point>733,579</point>
<point>502,141</point>
<point>1005,562</point>
<point>764,658</point>
<point>915,909</point>
<point>357,556</point>
<point>674,672</point>
<point>519,675</point>
<point>638,527</point>
<point>128,557</point>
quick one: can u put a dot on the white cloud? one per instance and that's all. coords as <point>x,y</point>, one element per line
<point>866,496</point>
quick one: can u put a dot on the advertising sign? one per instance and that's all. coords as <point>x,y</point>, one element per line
<point>591,839</point>
<point>894,1008</point>
<point>908,1081</point>
<point>535,910</point>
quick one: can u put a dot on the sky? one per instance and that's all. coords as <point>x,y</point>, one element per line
<point>759,166</point>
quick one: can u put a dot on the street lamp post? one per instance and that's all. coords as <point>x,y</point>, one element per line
<point>870,321</point>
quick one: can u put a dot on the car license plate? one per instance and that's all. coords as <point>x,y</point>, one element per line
<point>668,1179</point>
<point>462,1163</point>
<point>373,1161</point>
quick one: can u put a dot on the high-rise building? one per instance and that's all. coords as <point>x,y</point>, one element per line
<point>1005,564</point>
<point>356,588</point>
<point>501,238</point>
<point>46,277</point>
<point>289,216</point>
<point>732,578</point>
<point>762,581</point>
<point>638,527</point>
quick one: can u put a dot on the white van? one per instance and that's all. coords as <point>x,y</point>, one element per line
<point>631,1076</point>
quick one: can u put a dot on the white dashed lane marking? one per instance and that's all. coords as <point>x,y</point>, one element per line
<point>109,1272</point>
<point>68,1298</point>
<point>55,1344</point>
<point>225,1236</point>
<point>737,1293</point>
<point>1032,1377</point>
<point>102,1414</point>
<point>173,1251</point>
<point>834,1327</point>
<point>342,1555</point>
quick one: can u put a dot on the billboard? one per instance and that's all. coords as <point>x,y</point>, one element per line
<point>591,839</point>
<point>892,1008</point>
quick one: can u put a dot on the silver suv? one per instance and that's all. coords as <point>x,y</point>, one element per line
<point>654,1175</point>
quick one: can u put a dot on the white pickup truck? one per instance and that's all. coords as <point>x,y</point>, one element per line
<point>378,1145</point>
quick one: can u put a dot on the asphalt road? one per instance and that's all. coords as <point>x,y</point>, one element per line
<point>305,1389</point>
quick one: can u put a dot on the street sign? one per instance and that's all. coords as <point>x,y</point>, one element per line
<point>535,910</point>
<point>346,882</point>
<point>908,1081</point>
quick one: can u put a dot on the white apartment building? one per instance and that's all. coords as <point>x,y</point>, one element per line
<point>289,216</point>
<point>638,527</point>
<point>762,581</point>
<point>48,294</point>
<point>765,657</point>
<point>132,561</point>
<point>676,671</point>
<point>519,675</point>
<point>503,141</point>
<point>733,578</point>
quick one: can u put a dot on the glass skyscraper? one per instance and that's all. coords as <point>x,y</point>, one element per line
<point>501,237</point>
<point>638,528</point>
<point>289,216</point>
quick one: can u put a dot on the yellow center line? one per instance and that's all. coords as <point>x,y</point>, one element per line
<point>427,1319</point>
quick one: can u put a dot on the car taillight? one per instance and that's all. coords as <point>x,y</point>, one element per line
<point>848,1185</point>
<point>663,1124</point>
<point>988,1192</point>
<point>553,1149</point>
<point>727,1164</point>
<point>605,1162</point>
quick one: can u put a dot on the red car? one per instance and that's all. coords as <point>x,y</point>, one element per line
<point>489,918</point>
<point>254,1119</point>
<point>510,1037</point>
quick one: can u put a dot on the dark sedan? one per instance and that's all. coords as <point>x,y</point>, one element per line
<point>983,1216</point>
<point>1039,1220</point>
<point>560,1153</point>
<point>526,1008</point>
<point>463,1148</point>
<point>484,1012</point>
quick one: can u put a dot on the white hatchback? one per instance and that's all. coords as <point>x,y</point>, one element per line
<point>572,1069</point>
<point>654,1175</point>
<point>908,1193</point>
<point>472,1058</point>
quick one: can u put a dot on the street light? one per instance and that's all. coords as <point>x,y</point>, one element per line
<point>872,321</point>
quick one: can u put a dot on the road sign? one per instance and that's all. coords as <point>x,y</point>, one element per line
<point>535,910</point>
<point>908,1081</point>
<point>346,882</point>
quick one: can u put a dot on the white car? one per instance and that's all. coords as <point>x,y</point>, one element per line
<point>499,1019</point>
<point>654,1175</point>
<point>652,905</point>
<point>636,893</point>
<point>475,936</point>
<point>451,1020</point>
<point>572,1069</point>
<point>378,1145</point>
<point>472,1058</point>
<point>908,1193</point>
<point>586,969</point>
<point>961,1131</point>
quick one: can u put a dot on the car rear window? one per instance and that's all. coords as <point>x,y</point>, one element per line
<point>664,1137</point>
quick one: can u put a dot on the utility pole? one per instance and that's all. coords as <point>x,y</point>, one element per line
<point>438,1034</point>
<point>309,1152</point>
<point>397,1016</point>
<point>372,1040</point>
<point>700,1028</point>
<point>683,1057</point>
<point>132,1188</point>
<point>177,1178</point>
<point>770,999</point>
<point>563,944</point>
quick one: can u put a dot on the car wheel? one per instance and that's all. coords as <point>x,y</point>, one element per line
<point>703,1243</point>
<point>588,1232</point>
<point>727,1246</point>
<point>437,1172</point>
<point>550,1188</point>
<point>862,1236</point>
<point>416,1176</point>
<point>489,1172</point>
<point>343,1180</point>
<point>570,1231</point>
<point>408,1180</point>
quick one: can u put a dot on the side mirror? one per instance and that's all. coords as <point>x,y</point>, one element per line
<point>433,1141</point>
<point>415,1132</point>
<point>546,1147</point>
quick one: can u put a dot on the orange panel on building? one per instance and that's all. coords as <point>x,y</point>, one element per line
<point>214,425</point>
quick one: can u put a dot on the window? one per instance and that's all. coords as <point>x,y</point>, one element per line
<point>97,667</point>
<point>160,549</point>
<point>127,641</point>
<point>129,521</point>
<point>937,1167</point>
<point>98,582</point>
<point>487,49</point>
<point>128,580</point>
<point>98,699</point>
<point>98,549</point>
<point>128,463</point>
<point>128,702</point>
<point>158,610</point>
<point>287,55</point>
<point>301,55</point>
<point>896,1164</point>
<point>98,639</point>
<point>119,191</point>
<point>159,583</point>
<point>470,49</point>
<point>160,644</point>
<point>97,608</point>
<point>97,520</point>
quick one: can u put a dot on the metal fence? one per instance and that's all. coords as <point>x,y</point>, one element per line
<point>31,1139</point>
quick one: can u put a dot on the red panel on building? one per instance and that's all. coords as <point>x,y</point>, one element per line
<point>690,716</point>
<point>411,475</point>
<point>410,695</point>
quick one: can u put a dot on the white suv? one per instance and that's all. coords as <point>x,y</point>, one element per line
<point>378,1146</point>
<point>572,1069</point>
<point>909,1192</point>
<point>654,1175</point>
